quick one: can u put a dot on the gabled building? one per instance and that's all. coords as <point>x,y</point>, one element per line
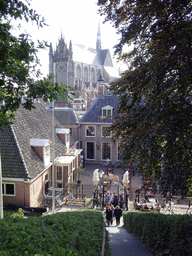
<point>26,157</point>
<point>96,139</point>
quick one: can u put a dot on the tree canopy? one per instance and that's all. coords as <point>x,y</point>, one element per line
<point>154,118</point>
<point>19,73</point>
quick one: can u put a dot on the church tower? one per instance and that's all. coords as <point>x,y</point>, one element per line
<point>61,64</point>
<point>98,43</point>
<point>51,60</point>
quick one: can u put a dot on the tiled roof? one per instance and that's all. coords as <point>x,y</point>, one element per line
<point>19,159</point>
<point>66,116</point>
<point>106,58</point>
<point>90,56</point>
<point>94,113</point>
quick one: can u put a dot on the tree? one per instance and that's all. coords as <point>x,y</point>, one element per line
<point>19,76</point>
<point>154,117</point>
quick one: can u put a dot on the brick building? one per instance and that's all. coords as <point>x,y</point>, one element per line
<point>27,156</point>
<point>95,137</point>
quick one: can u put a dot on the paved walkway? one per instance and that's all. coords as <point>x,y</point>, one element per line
<point>123,243</point>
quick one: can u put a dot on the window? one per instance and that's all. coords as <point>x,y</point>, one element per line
<point>90,150</point>
<point>78,72</point>
<point>59,172</point>
<point>8,189</point>
<point>107,111</point>
<point>90,131</point>
<point>105,132</point>
<point>46,177</point>
<point>85,74</point>
<point>106,150</point>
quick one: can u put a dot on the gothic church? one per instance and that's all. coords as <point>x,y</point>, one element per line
<point>81,68</point>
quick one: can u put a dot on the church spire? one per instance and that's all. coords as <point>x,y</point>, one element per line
<point>50,49</point>
<point>98,43</point>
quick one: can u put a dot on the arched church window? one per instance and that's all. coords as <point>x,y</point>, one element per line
<point>78,75</point>
<point>62,68</point>
<point>98,74</point>
<point>92,75</point>
<point>86,74</point>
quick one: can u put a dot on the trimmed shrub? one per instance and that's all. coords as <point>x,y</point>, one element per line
<point>69,233</point>
<point>162,234</point>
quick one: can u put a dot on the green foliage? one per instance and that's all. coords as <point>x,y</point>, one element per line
<point>162,234</point>
<point>155,113</point>
<point>18,214</point>
<point>19,75</point>
<point>70,233</point>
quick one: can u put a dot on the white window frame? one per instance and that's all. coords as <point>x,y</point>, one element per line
<point>107,108</point>
<point>86,131</point>
<point>102,151</point>
<point>4,188</point>
<point>102,135</point>
<point>61,173</point>
<point>94,150</point>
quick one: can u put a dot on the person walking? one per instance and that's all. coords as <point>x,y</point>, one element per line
<point>108,215</point>
<point>111,198</point>
<point>121,200</point>
<point>115,200</point>
<point>107,197</point>
<point>112,209</point>
<point>117,214</point>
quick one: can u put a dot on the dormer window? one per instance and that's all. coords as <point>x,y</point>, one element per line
<point>107,111</point>
<point>64,134</point>
<point>42,148</point>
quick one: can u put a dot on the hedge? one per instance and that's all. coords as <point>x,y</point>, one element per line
<point>162,234</point>
<point>69,233</point>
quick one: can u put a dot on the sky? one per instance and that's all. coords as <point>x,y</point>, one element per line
<point>77,20</point>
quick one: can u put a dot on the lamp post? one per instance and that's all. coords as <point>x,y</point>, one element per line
<point>53,159</point>
<point>125,182</point>
<point>1,192</point>
<point>2,104</point>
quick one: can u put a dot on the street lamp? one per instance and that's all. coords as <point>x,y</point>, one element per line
<point>2,104</point>
<point>125,182</point>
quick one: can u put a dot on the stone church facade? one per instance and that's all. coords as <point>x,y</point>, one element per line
<point>79,67</point>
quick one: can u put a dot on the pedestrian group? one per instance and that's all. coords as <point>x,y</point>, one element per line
<point>113,208</point>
